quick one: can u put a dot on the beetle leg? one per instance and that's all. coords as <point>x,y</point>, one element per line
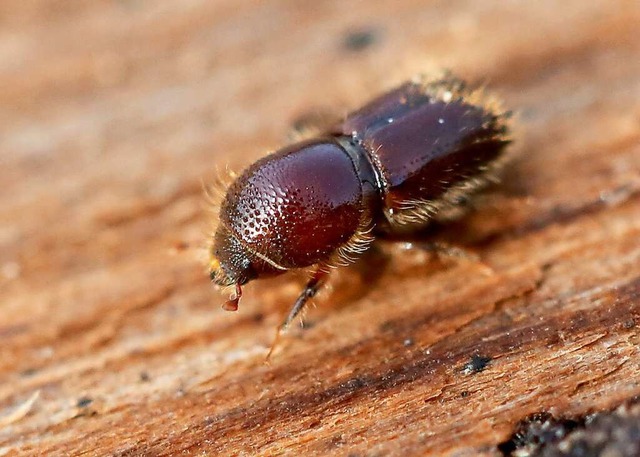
<point>310,290</point>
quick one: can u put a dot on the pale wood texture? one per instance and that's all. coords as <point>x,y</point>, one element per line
<point>112,342</point>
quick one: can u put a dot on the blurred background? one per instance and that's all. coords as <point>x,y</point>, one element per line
<point>114,112</point>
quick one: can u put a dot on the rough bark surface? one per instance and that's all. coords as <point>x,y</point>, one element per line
<point>112,342</point>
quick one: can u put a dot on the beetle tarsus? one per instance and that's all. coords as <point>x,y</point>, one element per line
<point>276,339</point>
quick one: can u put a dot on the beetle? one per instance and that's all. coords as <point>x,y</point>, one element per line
<point>405,159</point>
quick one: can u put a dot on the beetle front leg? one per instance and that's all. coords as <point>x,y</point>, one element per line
<point>310,290</point>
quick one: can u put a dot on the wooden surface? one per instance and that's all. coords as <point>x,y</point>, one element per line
<point>112,342</point>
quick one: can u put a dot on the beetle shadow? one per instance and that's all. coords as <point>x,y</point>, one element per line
<point>347,285</point>
<point>401,256</point>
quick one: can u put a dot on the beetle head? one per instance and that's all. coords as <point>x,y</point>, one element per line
<point>229,262</point>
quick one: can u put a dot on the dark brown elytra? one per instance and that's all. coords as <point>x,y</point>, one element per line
<point>405,159</point>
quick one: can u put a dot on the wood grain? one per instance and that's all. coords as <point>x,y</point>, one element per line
<point>112,114</point>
